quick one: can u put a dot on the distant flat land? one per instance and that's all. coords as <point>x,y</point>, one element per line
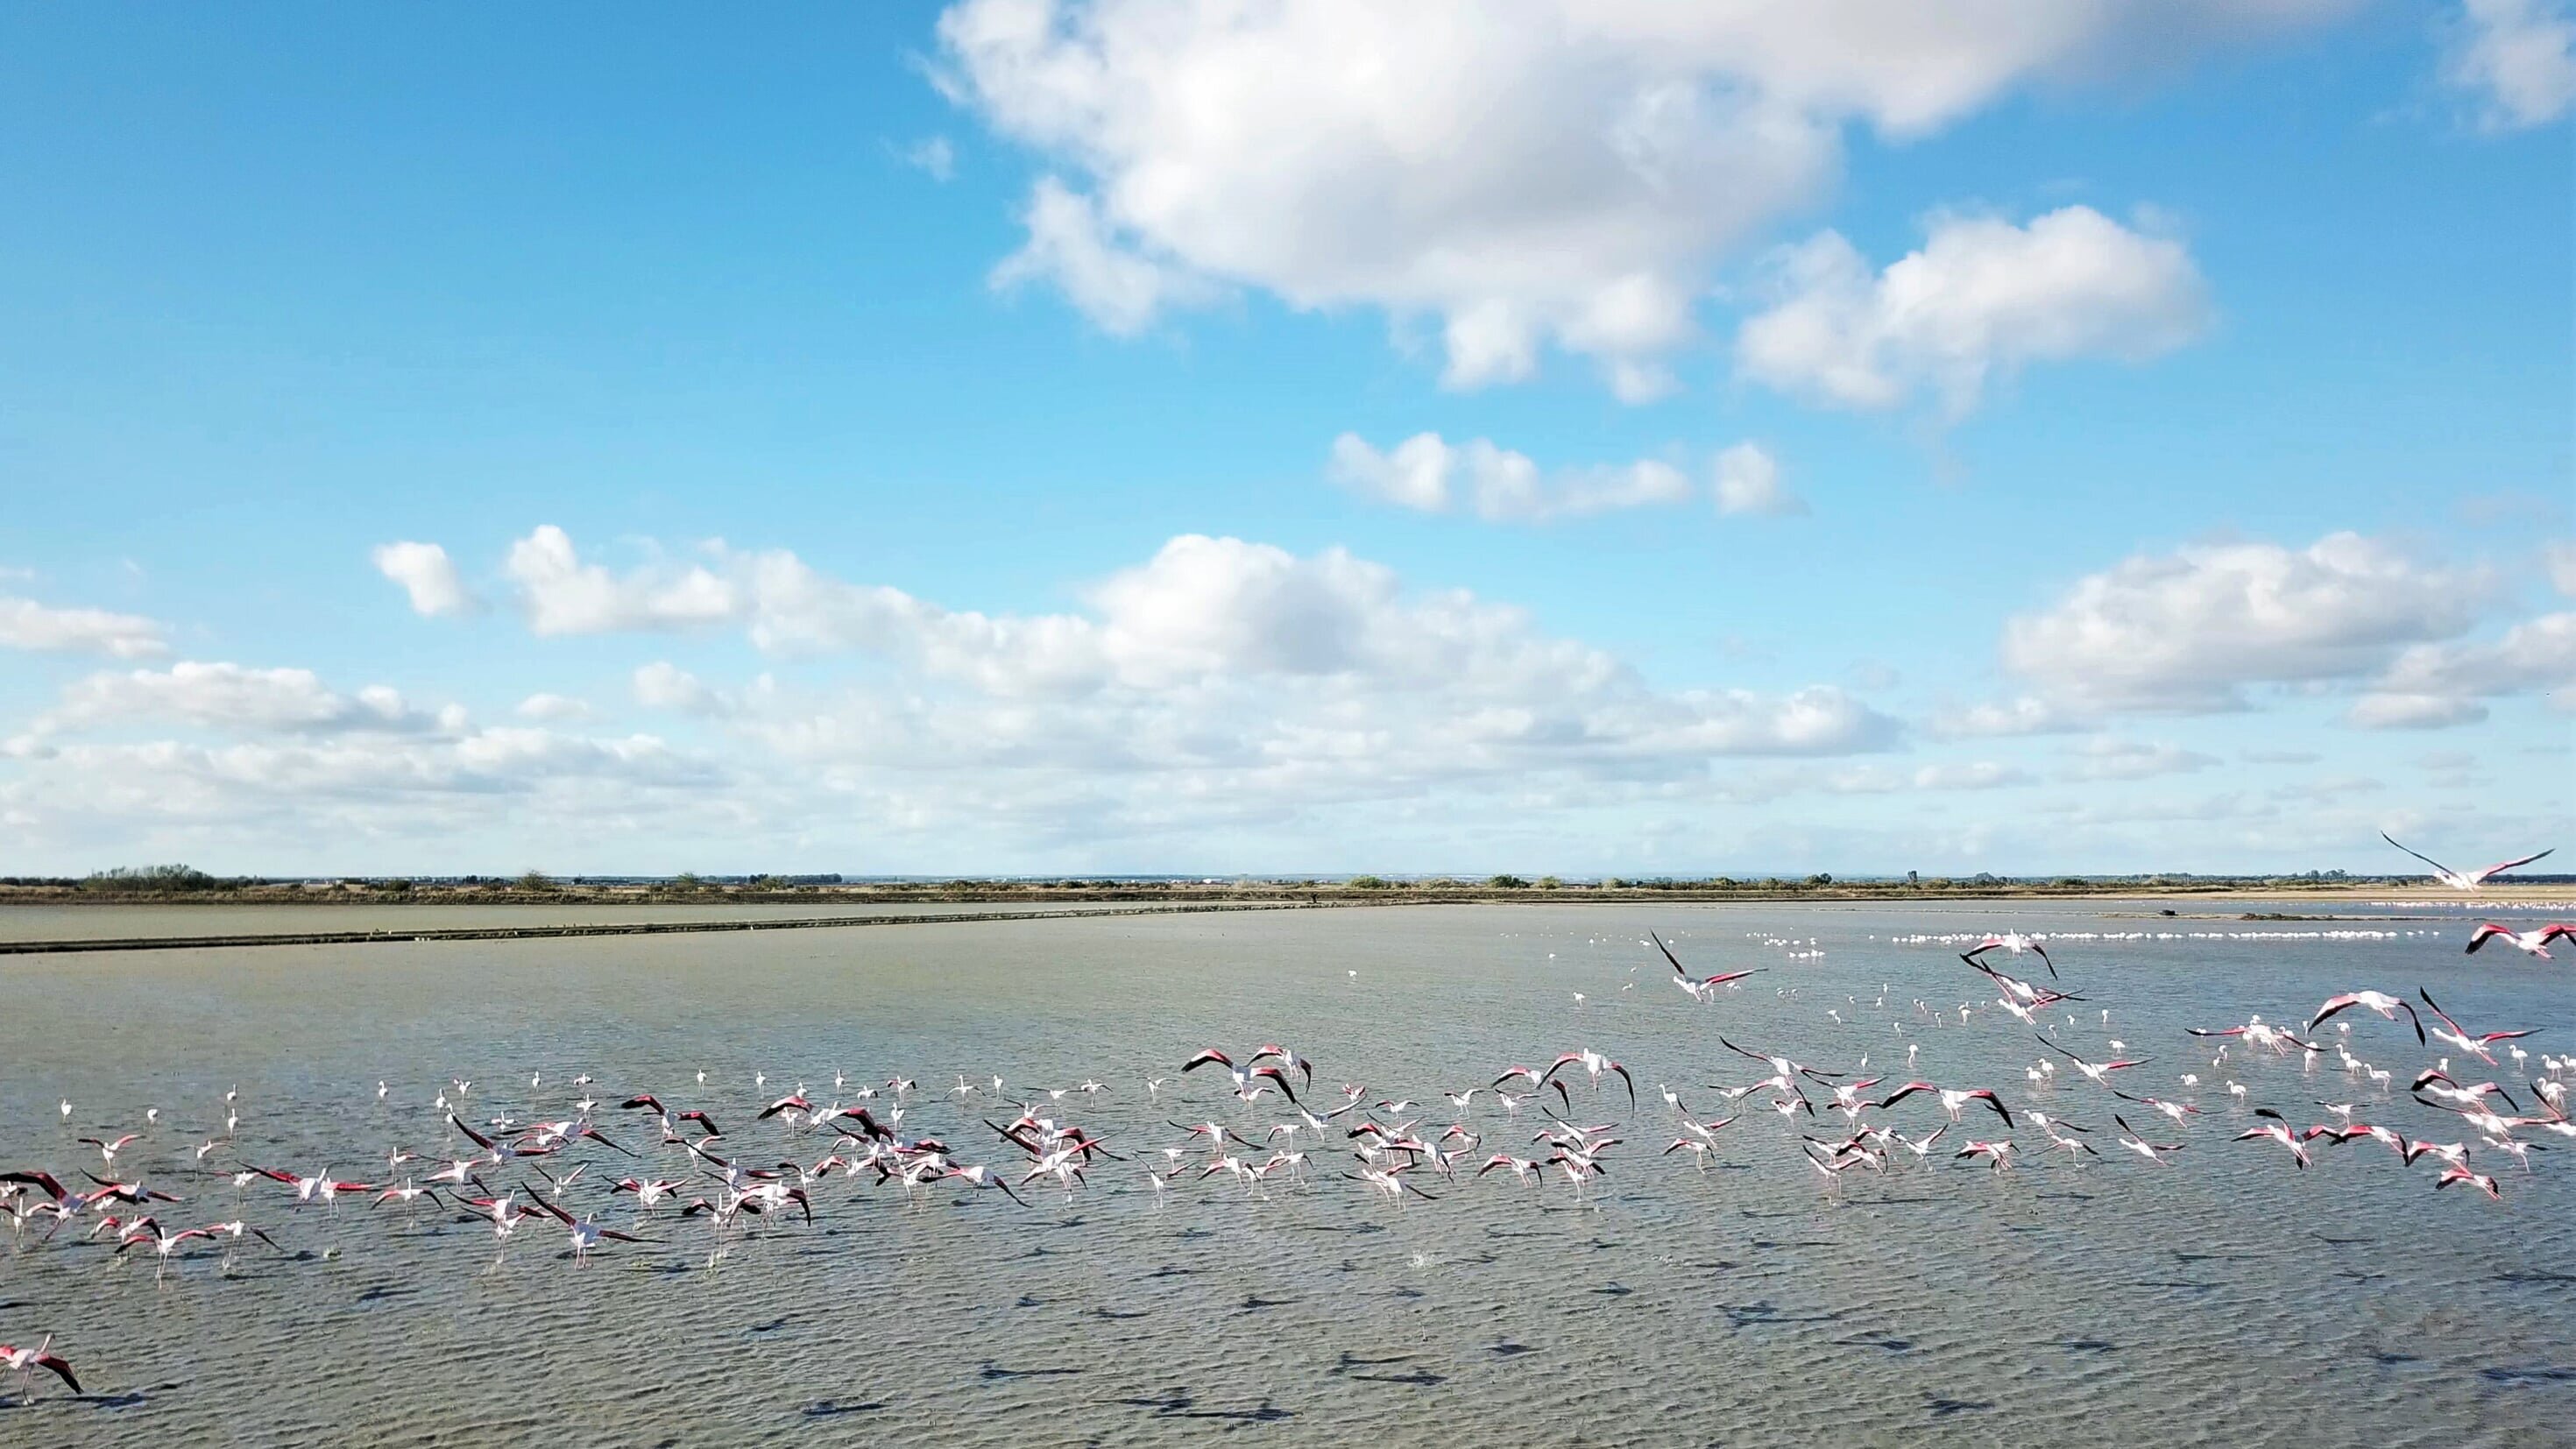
<point>46,920</point>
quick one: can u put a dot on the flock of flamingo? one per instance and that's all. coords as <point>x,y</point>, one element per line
<point>686,1173</point>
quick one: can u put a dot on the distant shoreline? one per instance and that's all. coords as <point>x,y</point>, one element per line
<point>393,935</point>
<point>736,910</point>
<point>325,895</point>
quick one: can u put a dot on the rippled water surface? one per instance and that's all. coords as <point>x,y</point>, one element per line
<point>2224,1299</point>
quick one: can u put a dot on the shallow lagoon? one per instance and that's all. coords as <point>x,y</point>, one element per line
<point>2224,1299</point>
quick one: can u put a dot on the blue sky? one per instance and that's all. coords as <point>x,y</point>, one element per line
<point>976,438</point>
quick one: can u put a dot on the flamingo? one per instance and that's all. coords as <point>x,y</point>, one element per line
<point>321,1187</point>
<point>2454,1153</point>
<point>586,1235</point>
<point>2256,1031</point>
<point>648,1191</point>
<point>1286,1058</point>
<point>984,1178</point>
<point>35,1178</point>
<point>503,1212</point>
<point>1389,1180</point>
<point>2533,942</point>
<point>2379,1001</point>
<point>1243,1076</point>
<point>2098,1073</point>
<point>406,1194</point>
<point>124,1192</point>
<point>164,1243</point>
<point>2016,943</point>
<point>1784,1071</point>
<point>1998,1155</point>
<point>108,1150</point>
<point>2151,1151</point>
<point>2452,1092</point>
<point>2278,1130</point>
<point>2464,880</point>
<point>2458,1035</point>
<point>2478,1180</point>
<point>1697,1147</point>
<point>1953,1101</point>
<point>1699,988</point>
<point>1595,1064</point>
<point>25,1361</point>
<point>232,1232</point>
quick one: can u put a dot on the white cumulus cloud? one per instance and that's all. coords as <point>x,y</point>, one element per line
<point>1982,298</point>
<point>2517,57</point>
<point>664,685</point>
<point>2433,685</point>
<point>228,696</point>
<point>2026,715</point>
<point>2560,560</point>
<point>1748,483</point>
<point>2109,759</point>
<point>934,156</point>
<point>427,574</point>
<point>26,624</point>
<point>1526,173</point>
<point>1965,775</point>
<point>1117,287</point>
<point>296,766</point>
<point>2384,710</point>
<point>546,706</point>
<point>560,594</point>
<point>1429,475</point>
<point>2188,631</point>
<point>1217,678</point>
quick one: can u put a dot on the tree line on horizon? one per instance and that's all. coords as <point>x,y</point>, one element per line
<point>186,880</point>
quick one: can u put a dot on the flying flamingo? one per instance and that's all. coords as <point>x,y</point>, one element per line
<point>2460,880</point>
<point>108,1150</point>
<point>124,1192</point>
<point>1784,1071</point>
<point>321,1187</point>
<point>231,1233</point>
<point>1953,1101</point>
<point>983,1177</point>
<point>2277,1130</point>
<point>1998,1155</point>
<point>2151,1151</point>
<point>1243,1076</point>
<point>586,1235</point>
<point>2016,943</point>
<point>2378,1001</point>
<point>407,1194</point>
<point>1701,988</point>
<point>25,1361</point>
<point>2458,1035</point>
<point>1289,1059</point>
<point>2022,993</point>
<point>164,1243</point>
<point>2098,1073</point>
<point>2451,1091</point>
<point>1595,1064</point>
<point>2534,941</point>
<point>2478,1180</point>
<point>1389,1180</point>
